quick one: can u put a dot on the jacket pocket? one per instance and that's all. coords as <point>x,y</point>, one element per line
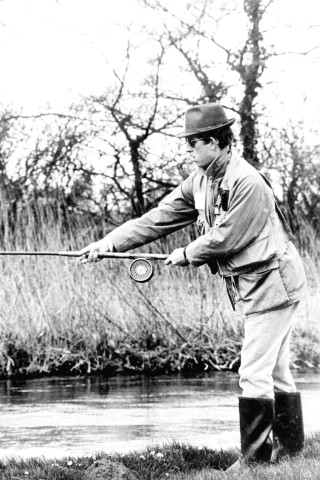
<point>292,273</point>
<point>260,251</point>
<point>261,291</point>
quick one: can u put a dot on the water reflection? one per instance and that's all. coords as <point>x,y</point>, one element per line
<point>77,416</point>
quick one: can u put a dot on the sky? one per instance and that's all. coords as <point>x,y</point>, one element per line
<point>53,51</point>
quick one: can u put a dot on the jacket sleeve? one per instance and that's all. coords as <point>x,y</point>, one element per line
<point>174,212</point>
<point>251,202</point>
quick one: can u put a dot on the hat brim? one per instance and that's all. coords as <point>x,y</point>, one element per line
<point>206,129</point>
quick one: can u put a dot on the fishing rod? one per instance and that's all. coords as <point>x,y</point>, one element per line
<point>140,270</point>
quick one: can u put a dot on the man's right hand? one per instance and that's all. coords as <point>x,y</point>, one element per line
<point>90,252</point>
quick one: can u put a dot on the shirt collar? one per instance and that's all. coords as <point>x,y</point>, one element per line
<point>218,167</point>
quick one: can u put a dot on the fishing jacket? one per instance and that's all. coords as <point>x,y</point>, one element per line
<point>244,236</point>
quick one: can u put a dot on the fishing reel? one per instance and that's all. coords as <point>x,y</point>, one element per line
<point>141,270</point>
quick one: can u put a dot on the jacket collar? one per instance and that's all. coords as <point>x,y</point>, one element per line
<point>217,168</point>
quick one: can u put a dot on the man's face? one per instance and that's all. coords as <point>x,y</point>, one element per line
<point>202,153</point>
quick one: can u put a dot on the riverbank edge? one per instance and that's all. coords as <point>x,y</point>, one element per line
<point>174,461</point>
<point>112,373</point>
<point>18,363</point>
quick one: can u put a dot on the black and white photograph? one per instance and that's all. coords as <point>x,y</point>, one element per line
<point>159,239</point>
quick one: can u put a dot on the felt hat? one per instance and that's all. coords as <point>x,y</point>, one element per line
<point>203,118</point>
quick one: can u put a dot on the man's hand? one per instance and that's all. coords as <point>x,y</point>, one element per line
<point>90,252</point>
<point>177,258</point>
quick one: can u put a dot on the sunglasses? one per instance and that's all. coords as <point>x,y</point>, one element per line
<point>192,142</point>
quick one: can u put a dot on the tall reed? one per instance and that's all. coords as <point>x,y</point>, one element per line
<point>60,317</point>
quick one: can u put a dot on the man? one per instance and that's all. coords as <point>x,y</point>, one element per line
<point>244,238</point>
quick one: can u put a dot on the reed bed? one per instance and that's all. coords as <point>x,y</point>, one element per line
<point>58,316</point>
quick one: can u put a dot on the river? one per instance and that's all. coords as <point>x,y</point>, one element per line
<point>58,417</point>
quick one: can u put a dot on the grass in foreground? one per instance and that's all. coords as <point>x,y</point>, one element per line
<point>174,462</point>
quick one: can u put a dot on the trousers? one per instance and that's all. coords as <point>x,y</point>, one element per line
<point>265,355</point>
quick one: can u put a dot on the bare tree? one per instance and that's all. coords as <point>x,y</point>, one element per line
<point>110,142</point>
<point>202,23</point>
<point>292,161</point>
<point>135,117</point>
<point>250,63</point>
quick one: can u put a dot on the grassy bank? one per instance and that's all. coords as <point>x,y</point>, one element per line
<point>60,317</point>
<point>174,462</point>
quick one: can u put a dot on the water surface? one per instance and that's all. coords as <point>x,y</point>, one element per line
<point>57,417</point>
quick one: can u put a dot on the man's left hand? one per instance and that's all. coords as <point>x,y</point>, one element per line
<point>177,258</point>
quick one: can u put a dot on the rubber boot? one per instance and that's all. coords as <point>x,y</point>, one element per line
<point>288,431</point>
<point>256,422</point>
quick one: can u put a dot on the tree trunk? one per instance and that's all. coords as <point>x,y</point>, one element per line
<point>251,72</point>
<point>138,201</point>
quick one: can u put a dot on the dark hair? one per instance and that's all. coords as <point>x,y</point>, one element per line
<point>223,135</point>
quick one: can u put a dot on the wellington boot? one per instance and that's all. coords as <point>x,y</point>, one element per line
<point>256,421</point>
<point>288,431</point>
